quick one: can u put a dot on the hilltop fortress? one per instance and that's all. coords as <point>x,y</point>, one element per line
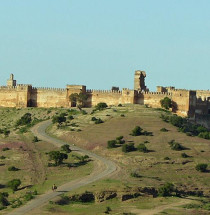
<point>187,102</point>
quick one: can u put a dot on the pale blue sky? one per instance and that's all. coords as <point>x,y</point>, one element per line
<point>100,43</point>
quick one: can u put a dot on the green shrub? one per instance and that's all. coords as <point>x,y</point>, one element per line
<point>166,190</point>
<point>120,140</point>
<point>66,148</point>
<point>108,209</point>
<point>135,174</point>
<point>12,168</point>
<point>28,196</point>
<point>167,158</point>
<point>137,131</point>
<point>70,117</point>
<point>35,139</point>
<point>3,199</point>
<point>122,115</point>
<point>163,129</point>
<point>14,184</point>
<point>176,121</point>
<point>59,119</point>
<point>5,149</point>
<point>111,144</point>
<point>184,155</point>
<point>128,147</point>
<point>201,167</point>
<point>142,148</point>
<point>99,121</point>
<point>101,106</point>
<point>205,135</point>
<point>93,118</point>
<point>2,157</point>
<point>120,105</point>
<point>24,120</point>
<point>176,146</point>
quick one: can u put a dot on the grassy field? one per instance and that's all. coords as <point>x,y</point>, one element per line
<point>31,158</point>
<point>153,168</point>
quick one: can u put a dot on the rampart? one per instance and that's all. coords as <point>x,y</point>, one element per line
<point>185,102</point>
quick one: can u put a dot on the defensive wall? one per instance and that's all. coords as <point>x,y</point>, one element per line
<point>185,102</point>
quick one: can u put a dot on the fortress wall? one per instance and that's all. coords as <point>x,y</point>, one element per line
<point>107,96</point>
<point>203,94</point>
<point>14,96</point>
<point>151,98</point>
<point>182,99</point>
<point>8,97</point>
<point>48,97</point>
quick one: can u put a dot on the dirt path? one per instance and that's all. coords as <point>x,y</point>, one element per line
<point>161,208</point>
<point>103,168</point>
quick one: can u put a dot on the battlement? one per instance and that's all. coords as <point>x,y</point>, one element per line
<point>155,93</point>
<point>104,91</point>
<point>48,89</point>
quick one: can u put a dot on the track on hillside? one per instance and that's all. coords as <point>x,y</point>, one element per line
<point>105,168</point>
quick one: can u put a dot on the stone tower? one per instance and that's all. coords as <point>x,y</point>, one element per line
<point>139,82</point>
<point>11,82</point>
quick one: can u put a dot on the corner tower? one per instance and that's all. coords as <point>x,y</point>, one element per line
<point>139,82</point>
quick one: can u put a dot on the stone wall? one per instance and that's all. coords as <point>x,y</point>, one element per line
<point>48,97</point>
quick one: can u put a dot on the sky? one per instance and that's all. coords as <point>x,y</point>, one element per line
<point>100,43</point>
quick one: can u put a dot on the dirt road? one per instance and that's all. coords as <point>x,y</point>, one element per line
<point>102,169</point>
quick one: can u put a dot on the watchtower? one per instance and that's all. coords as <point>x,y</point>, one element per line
<point>139,82</point>
<point>11,82</point>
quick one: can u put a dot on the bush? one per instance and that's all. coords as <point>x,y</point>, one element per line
<point>35,139</point>
<point>201,167</point>
<point>167,158</point>
<point>101,106</point>
<point>93,118</point>
<point>163,129</point>
<point>205,135</point>
<point>122,115</point>
<point>99,121</point>
<point>166,103</point>
<point>28,196</point>
<point>176,146</point>
<point>5,149</point>
<point>66,148</point>
<point>2,157</point>
<point>142,148</point>
<point>70,117</point>
<point>24,120</point>
<point>135,174</point>
<point>166,190</point>
<point>14,184</point>
<point>120,140</point>
<point>137,131</point>
<point>3,199</point>
<point>176,121</point>
<point>59,119</point>
<point>111,144</point>
<point>128,147</point>
<point>12,168</point>
<point>184,155</point>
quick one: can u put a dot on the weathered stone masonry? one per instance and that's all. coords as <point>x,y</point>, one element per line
<point>189,102</point>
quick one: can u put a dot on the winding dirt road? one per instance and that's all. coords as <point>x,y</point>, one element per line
<point>104,168</point>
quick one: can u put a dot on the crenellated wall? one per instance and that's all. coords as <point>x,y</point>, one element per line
<point>48,97</point>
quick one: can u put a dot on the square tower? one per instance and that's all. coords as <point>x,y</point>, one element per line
<point>11,82</point>
<point>139,82</point>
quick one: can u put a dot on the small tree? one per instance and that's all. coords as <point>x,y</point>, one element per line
<point>142,148</point>
<point>3,199</point>
<point>24,120</point>
<point>59,119</point>
<point>111,144</point>
<point>201,167</point>
<point>137,131</point>
<point>128,147</point>
<point>14,184</point>
<point>166,190</point>
<point>101,106</point>
<point>57,157</point>
<point>166,103</point>
<point>120,140</point>
<point>66,148</point>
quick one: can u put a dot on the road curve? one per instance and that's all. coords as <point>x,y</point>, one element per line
<point>109,167</point>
